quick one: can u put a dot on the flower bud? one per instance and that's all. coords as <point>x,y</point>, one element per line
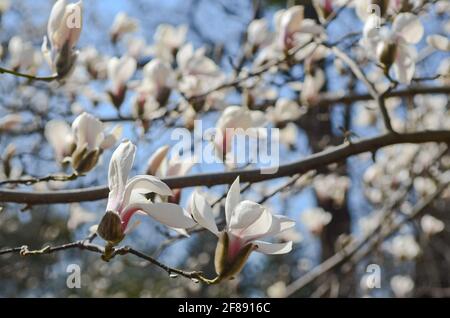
<point>84,161</point>
<point>110,228</point>
<point>386,54</point>
<point>226,265</point>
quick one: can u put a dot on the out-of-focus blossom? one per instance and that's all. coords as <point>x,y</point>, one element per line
<point>4,5</point>
<point>160,166</point>
<point>10,122</point>
<point>315,219</point>
<point>246,223</point>
<point>96,64</point>
<point>394,48</point>
<point>402,285</point>
<point>324,8</point>
<point>439,42</point>
<point>8,168</point>
<point>331,187</point>
<point>23,55</point>
<point>234,120</point>
<point>168,40</point>
<point>79,216</point>
<point>258,33</point>
<point>276,290</point>
<point>424,186</point>
<point>292,28</point>
<point>63,31</point>
<point>431,225</point>
<point>404,247</point>
<point>120,71</point>
<point>60,136</point>
<point>122,25</point>
<point>285,110</point>
<point>127,197</point>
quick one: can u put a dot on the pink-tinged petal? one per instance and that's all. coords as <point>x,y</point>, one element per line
<point>202,213</point>
<point>232,200</point>
<point>168,214</point>
<point>119,168</point>
<point>156,159</point>
<point>409,27</point>
<point>273,248</point>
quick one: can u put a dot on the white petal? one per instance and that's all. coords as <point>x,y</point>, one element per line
<point>119,168</point>
<point>202,213</point>
<point>156,159</point>
<point>144,184</point>
<point>439,42</point>
<point>245,214</point>
<point>56,16</point>
<point>405,65</point>
<point>88,130</point>
<point>167,213</point>
<point>408,26</point>
<point>258,229</point>
<point>232,200</point>
<point>111,138</point>
<point>273,248</point>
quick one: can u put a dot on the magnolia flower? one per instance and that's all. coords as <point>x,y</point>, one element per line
<point>332,187</point>
<point>127,197</point>
<point>122,24</point>
<point>60,136</point>
<point>401,285</point>
<point>158,80</point>
<point>258,33</point>
<point>439,42</point>
<point>246,223</point>
<point>404,247</point>
<point>168,40</point>
<point>23,55</point>
<point>285,110</point>
<point>81,144</point>
<point>120,72</point>
<point>315,219</point>
<point>292,28</point>
<point>10,122</point>
<point>234,120</point>
<point>430,225</point>
<point>160,166</point>
<point>394,47</point>
<point>64,29</point>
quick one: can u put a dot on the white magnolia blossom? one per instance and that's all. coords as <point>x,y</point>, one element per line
<point>439,42</point>
<point>79,216</point>
<point>315,219</point>
<point>127,197</point>
<point>235,120</point>
<point>10,122</point>
<point>293,29</point>
<point>247,223</point>
<point>285,110</point>
<point>402,285</point>
<point>83,142</point>
<point>404,247</point>
<point>160,166</point>
<point>431,225</point>
<point>10,169</point>
<point>258,33</point>
<point>23,55</point>
<point>60,137</point>
<point>120,71</point>
<point>332,187</point>
<point>63,31</point>
<point>122,25</point>
<point>394,47</point>
<point>168,40</point>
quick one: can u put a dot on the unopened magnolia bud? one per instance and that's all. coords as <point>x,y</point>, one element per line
<point>227,268</point>
<point>110,228</point>
<point>163,96</point>
<point>386,54</point>
<point>117,98</point>
<point>84,161</point>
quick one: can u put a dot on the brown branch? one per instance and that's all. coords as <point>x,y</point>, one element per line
<point>324,158</point>
<point>28,76</point>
